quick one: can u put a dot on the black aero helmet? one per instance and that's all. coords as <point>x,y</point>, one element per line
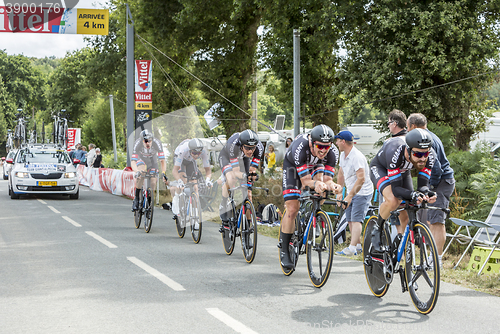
<point>419,138</point>
<point>322,133</point>
<point>145,134</point>
<point>195,145</point>
<point>249,137</point>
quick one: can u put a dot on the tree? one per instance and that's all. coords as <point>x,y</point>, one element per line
<point>69,87</point>
<point>318,53</point>
<point>24,85</point>
<point>404,54</point>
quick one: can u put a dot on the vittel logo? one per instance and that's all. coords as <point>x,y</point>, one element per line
<point>143,70</point>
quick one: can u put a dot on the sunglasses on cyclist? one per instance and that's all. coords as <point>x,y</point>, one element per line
<point>195,152</point>
<point>146,141</point>
<point>249,148</point>
<point>322,147</point>
<point>420,154</point>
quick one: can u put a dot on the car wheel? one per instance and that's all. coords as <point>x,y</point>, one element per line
<point>75,196</point>
<point>13,195</point>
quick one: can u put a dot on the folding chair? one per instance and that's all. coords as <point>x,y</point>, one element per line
<point>483,236</point>
<point>494,244</point>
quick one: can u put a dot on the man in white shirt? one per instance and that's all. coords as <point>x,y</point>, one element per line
<point>91,156</point>
<point>354,174</point>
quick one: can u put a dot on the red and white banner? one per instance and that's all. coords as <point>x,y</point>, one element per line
<point>114,181</point>
<point>74,137</point>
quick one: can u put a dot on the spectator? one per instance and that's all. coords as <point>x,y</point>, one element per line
<point>397,123</point>
<point>83,161</point>
<point>355,175</point>
<point>98,158</point>
<point>442,182</point>
<point>91,155</point>
<point>78,154</point>
<point>288,142</point>
<point>271,157</point>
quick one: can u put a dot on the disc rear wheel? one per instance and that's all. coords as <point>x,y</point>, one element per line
<point>373,262</point>
<point>293,248</point>
<point>138,212</point>
<point>229,234</point>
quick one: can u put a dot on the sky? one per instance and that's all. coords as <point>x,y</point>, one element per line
<point>44,45</point>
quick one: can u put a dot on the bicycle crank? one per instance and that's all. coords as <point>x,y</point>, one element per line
<point>388,268</point>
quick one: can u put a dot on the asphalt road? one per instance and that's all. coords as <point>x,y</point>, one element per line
<point>80,266</point>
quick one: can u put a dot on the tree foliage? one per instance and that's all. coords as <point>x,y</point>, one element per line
<point>319,34</point>
<point>395,48</point>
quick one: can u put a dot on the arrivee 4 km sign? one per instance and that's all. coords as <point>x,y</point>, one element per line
<point>51,18</point>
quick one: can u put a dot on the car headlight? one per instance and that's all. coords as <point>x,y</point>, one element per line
<point>22,175</point>
<point>69,175</point>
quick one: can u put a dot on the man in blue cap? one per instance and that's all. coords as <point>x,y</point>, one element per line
<point>354,174</point>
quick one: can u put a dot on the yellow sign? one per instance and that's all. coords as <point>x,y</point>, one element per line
<point>92,21</point>
<point>143,106</point>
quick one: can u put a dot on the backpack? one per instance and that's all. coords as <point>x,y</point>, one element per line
<point>270,214</point>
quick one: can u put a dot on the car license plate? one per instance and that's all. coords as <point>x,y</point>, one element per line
<point>47,183</point>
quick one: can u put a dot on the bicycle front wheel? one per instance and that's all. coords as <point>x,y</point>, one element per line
<point>148,214</point>
<point>195,218</point>
<point>138,212</point>
<point>319,249</point>
<point>373,263</point>
<point>422,269</point>
<point>248,231</point>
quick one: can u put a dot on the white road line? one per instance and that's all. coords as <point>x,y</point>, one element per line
<point>71,221</point>
<point>168,281</point>
<point>41,201</point>
<point>231,322</point>
<point>101,239</point>
<point>53,209</point>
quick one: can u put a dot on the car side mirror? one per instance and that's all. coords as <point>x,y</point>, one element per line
<point>76,161</point>
<point>10,161</point>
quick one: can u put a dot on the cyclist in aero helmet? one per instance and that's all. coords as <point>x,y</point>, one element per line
<point>309,161</point>
<point>398,155</point>
<point>147,150</point>
<point>185,165</point>
<point>241,154</point>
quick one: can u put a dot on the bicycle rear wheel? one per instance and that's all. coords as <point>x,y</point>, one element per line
<point>229,233</point>
<point>248,231</point>
<point>138,212</point>
<point>195,218</point>
<point>424,269</point>
<point>293,248</point>
<point>374,263</point>
<point>319,249</point>
<point>148,213</point>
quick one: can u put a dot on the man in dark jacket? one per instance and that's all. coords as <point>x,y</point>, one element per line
<point>441,182</point>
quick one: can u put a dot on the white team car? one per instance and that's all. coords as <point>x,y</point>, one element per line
<point>43,169</point>
<point>8,162</point>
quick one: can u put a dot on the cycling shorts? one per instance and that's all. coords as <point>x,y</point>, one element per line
<point>380,179</point>
<point>151,163</point>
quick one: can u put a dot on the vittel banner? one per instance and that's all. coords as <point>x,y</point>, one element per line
<point>143,81</point>
<point>50,18</point>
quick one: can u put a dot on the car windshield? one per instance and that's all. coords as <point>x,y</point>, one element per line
<point>40,156</point>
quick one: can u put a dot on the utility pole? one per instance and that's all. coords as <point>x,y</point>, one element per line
<point>296,82</point>
<point>130,85</point>
<point>113,125</point>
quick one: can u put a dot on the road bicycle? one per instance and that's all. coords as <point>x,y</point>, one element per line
<point>146,201</point>
<point>242,222</point>
<point>9,144</point>
<point>60,134</point>
<point>20,131</point>
<point>419,272</point>
<point>189,211</point>
<point>313,236</point>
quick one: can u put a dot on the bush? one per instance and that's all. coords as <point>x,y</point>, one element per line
<point>108,160</point>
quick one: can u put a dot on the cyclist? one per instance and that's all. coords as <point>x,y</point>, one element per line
<point>398,155</point>
<point>147,150</point>
<point>241,154</point>
<point>309,161</point>
<point>185,165</point>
